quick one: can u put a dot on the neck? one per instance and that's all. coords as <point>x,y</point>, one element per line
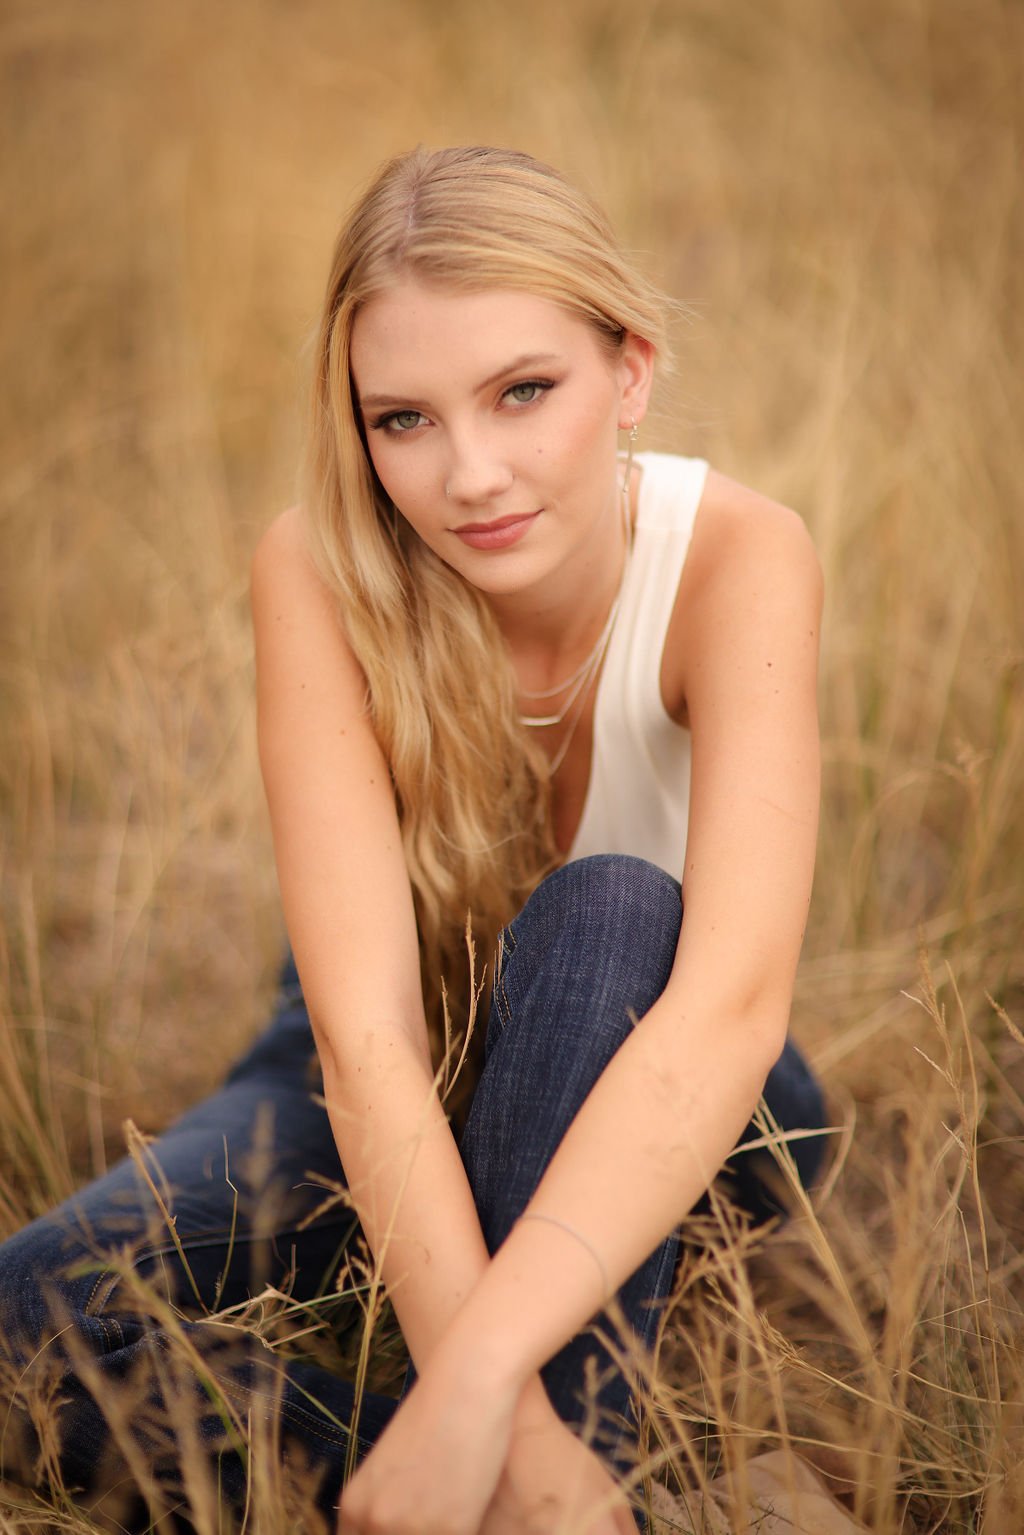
<point>550,629</point>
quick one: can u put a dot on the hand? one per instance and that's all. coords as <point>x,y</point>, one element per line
<point>434,1469</point>
<point>552,1482</point>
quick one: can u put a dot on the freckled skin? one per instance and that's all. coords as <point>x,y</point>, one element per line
<point>452,450</point>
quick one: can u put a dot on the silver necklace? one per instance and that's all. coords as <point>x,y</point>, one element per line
<point>578,684</point>
<point>579,680</point>
<point>560,754</point>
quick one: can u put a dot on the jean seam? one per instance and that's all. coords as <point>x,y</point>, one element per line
<point>198,1241</point>
<point>297,1416</point>
<point>502,1005</point>
<point>106,1277</point>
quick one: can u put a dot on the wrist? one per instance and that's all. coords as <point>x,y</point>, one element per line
<point>532,1297</point>
<point>478,1364</point>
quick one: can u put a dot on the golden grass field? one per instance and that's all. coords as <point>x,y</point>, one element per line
<point>834,190</point>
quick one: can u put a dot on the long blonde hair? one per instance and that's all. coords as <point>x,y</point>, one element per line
<point>472,789</point>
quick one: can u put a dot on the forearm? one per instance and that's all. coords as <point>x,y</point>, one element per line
<point>642,1146</point>
<point>408,1185</point>
<point>650,1137</point>
<point>410,1190</point>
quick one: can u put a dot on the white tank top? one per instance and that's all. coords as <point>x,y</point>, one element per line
<point>638,797</point>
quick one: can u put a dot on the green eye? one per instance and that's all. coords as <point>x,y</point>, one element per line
<point>527,392</point>
<point>405,420</point>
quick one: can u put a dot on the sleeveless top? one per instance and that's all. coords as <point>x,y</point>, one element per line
<point>638,797</point>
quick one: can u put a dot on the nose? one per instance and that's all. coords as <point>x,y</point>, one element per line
<point>477,472</point>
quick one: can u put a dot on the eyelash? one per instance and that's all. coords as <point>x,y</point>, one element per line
<point>386,423</point>
<point>543,384</point>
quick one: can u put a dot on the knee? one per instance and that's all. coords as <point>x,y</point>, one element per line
<point>588,955</point>
<point>596,939</point>
<point>603,896</point>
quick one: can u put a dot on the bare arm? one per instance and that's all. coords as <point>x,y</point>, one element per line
<point>350,917</point>
<point>349,912</point>
<point>671,1104</point>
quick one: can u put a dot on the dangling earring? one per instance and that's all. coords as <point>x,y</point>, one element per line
<point>627,480</point>
<point>634,433</point>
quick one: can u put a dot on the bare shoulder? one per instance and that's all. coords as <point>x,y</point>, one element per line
<point>289,595</point>
<point>749,556</point>
<point>306,672</point>
<point>286,536</point>
<point>752,580</point>
<point>282,555</point>
<point>738,527</point>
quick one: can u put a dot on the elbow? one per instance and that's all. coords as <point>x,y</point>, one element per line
<point>329,1039</point>
<point>748,1018</point>
<point>760,1019</point>
<point>354,1057</point>
<point>758,1039</point>
<point>329,1058</point>
<point>753,1001</point>
<point>771,1045</point>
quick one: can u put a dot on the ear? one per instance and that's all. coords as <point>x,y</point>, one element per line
<point>635,369</point>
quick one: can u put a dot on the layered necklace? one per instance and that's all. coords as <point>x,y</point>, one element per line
<point>575,689</point>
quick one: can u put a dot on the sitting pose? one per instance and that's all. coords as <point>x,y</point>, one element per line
<point>511,675</point>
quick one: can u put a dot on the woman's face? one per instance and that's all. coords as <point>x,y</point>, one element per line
<point>491,420</point>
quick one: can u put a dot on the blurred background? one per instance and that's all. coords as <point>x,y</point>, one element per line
<point>833,192</point>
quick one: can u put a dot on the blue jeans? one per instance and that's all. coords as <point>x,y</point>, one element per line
<point>593,945</point>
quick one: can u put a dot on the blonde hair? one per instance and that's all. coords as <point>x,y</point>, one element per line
<point>472,789</point>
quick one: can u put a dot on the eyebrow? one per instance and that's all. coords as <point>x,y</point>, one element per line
<point>518,364</point>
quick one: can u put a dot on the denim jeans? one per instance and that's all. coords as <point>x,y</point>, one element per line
<point>242,1173</point>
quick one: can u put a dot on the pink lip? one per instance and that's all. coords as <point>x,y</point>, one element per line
<point>495,535</point>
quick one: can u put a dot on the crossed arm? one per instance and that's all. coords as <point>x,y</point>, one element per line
<point>475,1434</point>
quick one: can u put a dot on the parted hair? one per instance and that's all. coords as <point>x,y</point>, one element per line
<point>472,788</point>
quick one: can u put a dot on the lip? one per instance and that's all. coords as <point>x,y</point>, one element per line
<point>498,534</point>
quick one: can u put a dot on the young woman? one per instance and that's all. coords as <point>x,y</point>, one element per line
<point>505,672</point>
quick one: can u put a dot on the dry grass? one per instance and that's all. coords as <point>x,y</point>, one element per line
<point>835,190</point>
